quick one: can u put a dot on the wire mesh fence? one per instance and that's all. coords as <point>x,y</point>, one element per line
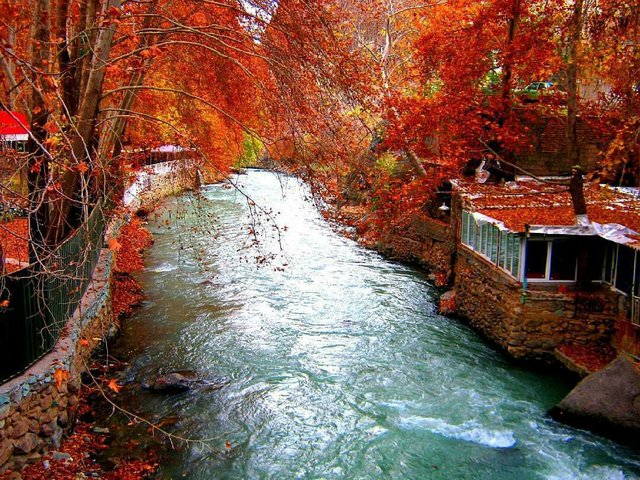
<point>39,300</point>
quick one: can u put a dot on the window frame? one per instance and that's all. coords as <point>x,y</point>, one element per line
<point>547,272</point>
<point>487,240</point>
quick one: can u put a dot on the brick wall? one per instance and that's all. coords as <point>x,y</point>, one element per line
<point>548,155</point>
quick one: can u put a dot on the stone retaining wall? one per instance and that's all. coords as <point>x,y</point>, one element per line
<point>159,181</point>
<point>493,304</point>
<point>427,241</point>
<point>36,407</point>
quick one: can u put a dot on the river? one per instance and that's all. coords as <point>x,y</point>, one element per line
<point>335,362</point>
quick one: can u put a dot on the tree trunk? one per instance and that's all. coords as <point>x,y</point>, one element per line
<point>38,166</point>
<point>67,67</point>
<point>9,69</point>
<point>573,50</point>
<point>576,189</point>
<point>111,142</point>
<point>417,164</point>
<point>82,142</point>
<point>514,20</point>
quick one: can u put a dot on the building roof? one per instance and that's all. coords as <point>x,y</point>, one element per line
<point>13,126</point>
<point>533,203</point>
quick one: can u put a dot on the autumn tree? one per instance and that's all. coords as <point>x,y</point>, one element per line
<point>103,74</point>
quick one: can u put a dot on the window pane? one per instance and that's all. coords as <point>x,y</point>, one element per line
<point>485,234</point>
<point>609,263</point>
<point>563,260</point>
<point>494,244</point>
<point>624,274</point>
<point>465,228</point>
<point>472,232</point>
<point>637,279</point>
<point>503,250</point>
<point>536,259</point>
<point>596,259</point>
<point>515,265</point>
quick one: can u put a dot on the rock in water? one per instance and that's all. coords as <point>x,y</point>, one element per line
<point>607,402</point>
<point>176,382</point>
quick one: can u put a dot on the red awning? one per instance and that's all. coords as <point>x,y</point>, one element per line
<point>12,123</point>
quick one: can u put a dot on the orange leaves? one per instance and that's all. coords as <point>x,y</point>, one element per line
<point>4,304</point>
<point>114,245</point>
<point>151,52</point>
<point>60,376</point>
<point>133,239</point>
<point>51,127</point>
<point>82,167</point>
<point>36,167</point>
<point>113,385</point>
<point>13,238</point>
<point>592,357</point>
<point>127,292</point>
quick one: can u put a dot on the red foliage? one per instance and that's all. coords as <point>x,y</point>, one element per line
<point>134,238</point>
<point>127,292</point>
<point>591,357</point>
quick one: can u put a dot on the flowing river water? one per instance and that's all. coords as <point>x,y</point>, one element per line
<point>335,362</point>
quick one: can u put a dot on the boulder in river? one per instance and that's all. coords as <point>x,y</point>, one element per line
<point>176,382</point>
<point>607,401</point>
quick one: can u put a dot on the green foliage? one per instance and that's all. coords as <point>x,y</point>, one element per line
<point>387,162</point>
<point>251,150</point>
<point>491,82</point>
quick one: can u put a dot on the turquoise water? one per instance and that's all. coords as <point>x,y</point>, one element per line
<point>336,364</point>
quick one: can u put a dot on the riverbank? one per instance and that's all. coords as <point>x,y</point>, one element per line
<point>39,409</point>
<point>339,349</point>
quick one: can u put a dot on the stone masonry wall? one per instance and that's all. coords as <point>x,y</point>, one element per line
<point>492,303</point>
<point>36,407</point>
<point>159,181</point>
<point>427,241</point>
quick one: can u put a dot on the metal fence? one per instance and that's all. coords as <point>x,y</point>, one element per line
<point>40,301</point>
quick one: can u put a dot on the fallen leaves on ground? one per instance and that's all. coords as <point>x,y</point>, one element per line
<point>113,385</point>
<point>134,238</point>
<point>591,357</point>
<point>60,376</point>
<point>14,239</point>
<point>127,292</point>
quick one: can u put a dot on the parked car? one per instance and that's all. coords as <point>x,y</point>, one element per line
<point>538,86</point>
<point>534,90</point>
